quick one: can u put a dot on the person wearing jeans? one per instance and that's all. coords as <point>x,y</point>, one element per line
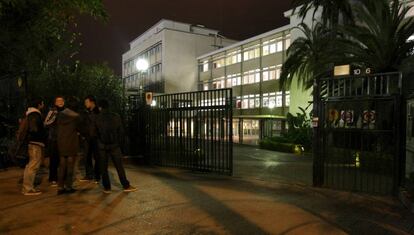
<point>36,137</point>
<point>109,131</point>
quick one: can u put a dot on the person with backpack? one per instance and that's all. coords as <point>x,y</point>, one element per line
<point>109,132</point>
<point>69,127</point>
<point>51,125</point>
<point>32,132</point>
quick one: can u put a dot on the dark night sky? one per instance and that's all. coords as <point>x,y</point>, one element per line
<point>236,19</point>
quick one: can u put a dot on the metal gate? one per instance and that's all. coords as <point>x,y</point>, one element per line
<point>360,127</point>
<point>190,130</point>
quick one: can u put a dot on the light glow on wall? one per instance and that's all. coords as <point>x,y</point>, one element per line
<point>142,65</point>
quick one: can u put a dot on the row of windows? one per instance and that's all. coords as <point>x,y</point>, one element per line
<point>268,47</point>
<point>154,74</point>
<point>249,77</point>
<point>267,100</point>
<point>151,55</point>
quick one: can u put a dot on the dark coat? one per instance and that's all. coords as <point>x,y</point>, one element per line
<point>109,129</point>
<point>68,127</point>
<point>35,129</point>
<point>89,117</point>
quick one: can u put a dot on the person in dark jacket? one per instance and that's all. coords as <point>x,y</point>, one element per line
<point>68,129</point>
<point>36,137</point>
<point>92,152</point>
<point>51,125</point>
<point>109,131</point>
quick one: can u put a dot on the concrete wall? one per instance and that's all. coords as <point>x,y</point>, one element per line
<point>180,67</point>
<point>154,39</point>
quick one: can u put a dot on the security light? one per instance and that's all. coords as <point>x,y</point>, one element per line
<point>142,65</point>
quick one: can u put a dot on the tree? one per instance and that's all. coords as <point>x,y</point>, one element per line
<point>331,9</point>
<point>308,57</point>
<point>380,38</point>
<point>80,80</point>
<point>39,38</point>
<point>37,34</point>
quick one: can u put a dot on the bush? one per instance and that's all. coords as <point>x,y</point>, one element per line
<point>296,140</point>
<point>276,146</point>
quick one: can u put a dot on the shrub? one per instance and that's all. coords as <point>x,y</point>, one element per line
<point>275,146</point>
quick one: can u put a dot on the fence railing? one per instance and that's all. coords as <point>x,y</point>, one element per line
<point>191,130</point>
<point>384,84</point>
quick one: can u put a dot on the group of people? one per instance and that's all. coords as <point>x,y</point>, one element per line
<point>60,135</point>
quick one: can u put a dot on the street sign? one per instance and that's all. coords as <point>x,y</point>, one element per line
<point>148,98</point>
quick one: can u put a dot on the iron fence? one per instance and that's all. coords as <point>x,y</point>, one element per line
<point>361,129</point>
<point>191,130</point>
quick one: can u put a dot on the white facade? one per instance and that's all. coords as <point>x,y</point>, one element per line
<point>171,49</point>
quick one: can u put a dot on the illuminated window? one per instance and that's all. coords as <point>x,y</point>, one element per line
<point>279,46</point>
<point>229,82</point>
<point>272,74</point>
<point>265,74</point>
<point>279,99</point>
<point>265,48</point>
<point>251,101</point>
<point>246,78</point>
<point>272,100</point>
<point>278,71</point>
<point>218,63</point>
<point>287,42</point>
<point>257,76</point>
<point>204,66</point>
<point>287,98</point>
<point>251,53</point>
<point>245,102</point>
<point>233,57</point>
<point>266,100</point>
<point>257,101</point>
<point>272,48</point>
<point>238,102</point>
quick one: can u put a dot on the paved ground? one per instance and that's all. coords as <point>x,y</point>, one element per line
<point>171,201</point>
<point>253,163</point>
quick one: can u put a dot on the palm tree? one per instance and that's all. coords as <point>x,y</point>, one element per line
<point>308,57</point>
<point>331,9</point>
<point>381,38</point>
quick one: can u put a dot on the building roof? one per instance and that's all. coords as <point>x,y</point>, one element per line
<point>252,39</point>
<point>173,25</point>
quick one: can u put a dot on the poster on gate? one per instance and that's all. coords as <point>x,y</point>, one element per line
<point>368,116</point>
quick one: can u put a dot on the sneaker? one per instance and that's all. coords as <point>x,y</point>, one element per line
<point>32,192</point>
<point>53,184</point>
<point>130,189</point>
<point>107,191</point>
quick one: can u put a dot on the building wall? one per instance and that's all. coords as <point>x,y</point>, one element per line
<point>173,65</point>
<point>180,53</point>
<point>252,70</point>
<point>299,96</point>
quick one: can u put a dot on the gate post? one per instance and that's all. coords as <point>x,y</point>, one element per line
<point>316,138</point>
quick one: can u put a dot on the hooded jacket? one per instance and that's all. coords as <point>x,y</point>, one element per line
<point>68,127</point>
<point>36,133</point>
